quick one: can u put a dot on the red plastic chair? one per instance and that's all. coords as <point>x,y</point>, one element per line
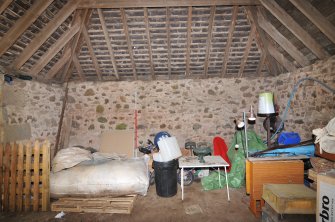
<point>221,149</point>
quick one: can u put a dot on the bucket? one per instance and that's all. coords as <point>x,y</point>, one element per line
<point>166,178</point>
<point>265,103</point>
<point>169,149</point>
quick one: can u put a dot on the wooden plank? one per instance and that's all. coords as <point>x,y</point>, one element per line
<point>6,178</point>
<point>209,38</point>
<point>129,45</point>
<point>108,41</point>
<point>44,34</point>
<point>13,165</point>
<point>281,59</point>
<point>229,40</point>
<point>59,64</point>
<point>77,65</point>
<point>27,182</point>
<point>260,65</point>
<point>22,24</point>
<point>168,14</point>
<point>160,3</point>
<point>246,51</point>
<point>147,31</point>
<point>189,40</point>
<point>316,17</point>
<point>295,28</point>
<point>261,40</point>
<point>3,5</point>
<point>1,173</point>
<point>45,176</point>
<point>19,179</point>
<point>36,175</point>
<point>282,41</point>
<point>54,49</point>
<point>91,52</point>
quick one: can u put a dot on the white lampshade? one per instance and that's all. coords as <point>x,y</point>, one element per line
<point>265,103</point>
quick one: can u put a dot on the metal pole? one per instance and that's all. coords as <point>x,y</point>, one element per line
<point>245,134</point>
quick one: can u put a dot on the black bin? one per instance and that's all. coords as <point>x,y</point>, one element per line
<point>166,178</point>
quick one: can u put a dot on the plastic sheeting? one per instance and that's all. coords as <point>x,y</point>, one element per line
<point>102,178</point>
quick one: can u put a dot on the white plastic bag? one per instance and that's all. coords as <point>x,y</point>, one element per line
<point>326,137</point>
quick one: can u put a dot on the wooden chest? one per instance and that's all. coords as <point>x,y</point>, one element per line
<point>278,172</point>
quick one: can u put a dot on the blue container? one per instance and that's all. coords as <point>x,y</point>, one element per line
<point>288,138</point>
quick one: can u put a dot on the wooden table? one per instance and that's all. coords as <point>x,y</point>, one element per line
<point>210,162</point>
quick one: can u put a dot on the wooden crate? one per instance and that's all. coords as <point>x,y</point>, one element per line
<point>312,175</point>
<point>120,205</point>
<point>24,176</point>
<point>290,198</point>
<point>262,172</point>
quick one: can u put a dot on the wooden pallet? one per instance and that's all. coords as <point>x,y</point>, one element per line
<point>118,205</point>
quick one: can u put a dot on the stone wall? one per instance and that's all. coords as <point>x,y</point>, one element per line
<point>196,110</point>
<point>32,109</point>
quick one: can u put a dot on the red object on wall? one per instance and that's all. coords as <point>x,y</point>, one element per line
<point>221,149</point>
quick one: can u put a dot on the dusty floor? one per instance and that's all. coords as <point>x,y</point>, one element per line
<point>213,204</point>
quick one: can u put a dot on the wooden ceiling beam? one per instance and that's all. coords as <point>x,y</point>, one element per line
<point>77,65</point>
<point>129,45</point>
<point>22,24</point>
<point>4,4</point>
<point>282,41</point>
<point>261,40</point>
<point>189,40</point>
<point>246,51</point>
<point>58,65</point>
<point>229,40</point>
<point>147,31</point>
<point>316,17</point>
<point>44,34</point>
<point>209,38</point>
<point>54,49</point>
<point>168,39</point>
<point>281,58</point>
<point>260,65</point>
<point>91,52</point>
<point>295,28</point>
<point>161,3</point>
<point>108,41</point>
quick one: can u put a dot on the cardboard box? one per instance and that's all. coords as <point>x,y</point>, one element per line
<point>326,197</point>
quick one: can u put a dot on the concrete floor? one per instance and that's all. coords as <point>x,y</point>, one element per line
<point>210,206</point>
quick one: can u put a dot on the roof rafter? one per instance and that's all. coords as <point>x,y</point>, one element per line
<point>4,4</point>
<point>44,34</point>
<point>54,49</point>
<point>229,40</point>
<point>147,31</point>
<point>160,3</point>
<point>260,65</point>
<point>316,17</point>
<point>189,39</point>
<point>22,24</point>
<point>209,38</point>
<point>108,41</point>
<point>59,64</point>
<point>295,28</point>
<point>282,41</point>
<point>129,45</point>
<point>281,58</point>
<point>91,52</point>
<point>246,51</point>
<point>77,65</point>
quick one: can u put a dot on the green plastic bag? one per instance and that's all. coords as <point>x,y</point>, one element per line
<point>236,176</point>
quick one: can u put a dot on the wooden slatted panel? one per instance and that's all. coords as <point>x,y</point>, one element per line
<point>20,180</point>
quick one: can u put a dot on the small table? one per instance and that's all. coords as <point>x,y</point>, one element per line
<point>210,161</point>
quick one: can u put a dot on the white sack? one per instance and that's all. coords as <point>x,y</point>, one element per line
<point>69,157</point>
<point>326,137</point>
<point>102,178</point>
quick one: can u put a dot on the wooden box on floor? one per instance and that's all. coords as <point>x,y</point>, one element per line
<point>290,198</point>
<point>271,171</point>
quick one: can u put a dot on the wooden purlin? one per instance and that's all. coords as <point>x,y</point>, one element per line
<point>282,41</point>
<point>209,38</point>
<point>22,24</point>
<point>189,39</point>
<point>44,34</point>
<point>129,45</point>
<point>295,28</point>
<point>108,42</point>
<point>316,17</point>
<point>229,40</point>
<point>147,30</point>
<point>246,51</point>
